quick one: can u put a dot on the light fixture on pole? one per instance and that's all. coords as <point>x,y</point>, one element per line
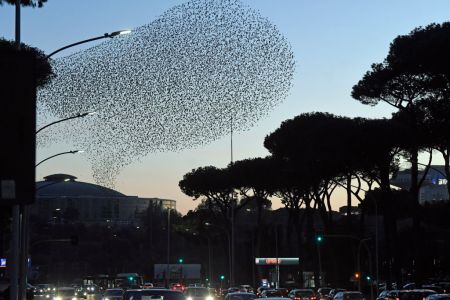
<point>80,115</point>
<point>58,154</point>
<point>106,35</point>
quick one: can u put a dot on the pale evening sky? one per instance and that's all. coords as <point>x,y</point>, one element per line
<point>334,44</point>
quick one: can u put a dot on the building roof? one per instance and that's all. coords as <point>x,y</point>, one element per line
<point>65,185</point>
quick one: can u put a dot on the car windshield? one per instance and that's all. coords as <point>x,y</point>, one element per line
<point>153,295</point>
<point>197,292</point>
<point>113,292</point>
<point>241,297</point>
<point>304,293</point>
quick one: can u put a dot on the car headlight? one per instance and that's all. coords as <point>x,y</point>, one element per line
<point>74,298</point>
<point>189,298</point>
<point>85,293</point>
<point>47,296</point>
<point>209,298</point>
<point>57,298</point>
<point>54,289</point>
<point>106,298</point>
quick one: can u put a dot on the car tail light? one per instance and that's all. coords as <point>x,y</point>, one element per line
<point>313,298</point>
<point>397,298</point>
<point>297,298</point>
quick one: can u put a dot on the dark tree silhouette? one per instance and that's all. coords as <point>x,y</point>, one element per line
<point>43,69</point>
<point>415,71</point>
<point>30,3</point>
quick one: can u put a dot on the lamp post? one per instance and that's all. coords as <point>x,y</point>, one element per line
<point>229,246</point>
<point>168,248</point>
<point>19,219</point>
<point>80,115</point>
<point>58,154</point>
<point>106,35</point>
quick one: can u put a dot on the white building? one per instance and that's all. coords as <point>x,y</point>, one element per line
<point>434,187</point>
<point>60,195</point>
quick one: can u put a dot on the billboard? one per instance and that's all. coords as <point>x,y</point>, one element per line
<point>262,261</point>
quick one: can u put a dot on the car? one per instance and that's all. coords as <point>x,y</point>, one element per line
<point>64,293</point>
<point>333,292</point>
<point>261,289</point>
<point>155,293</point>
<point>302,294</point>
<point>382,295</point>
<point>80,292</point>
<point>147,285</point>
<point>284,292</point>
<point>445,286</point>
<point>323,293</point>
<point>92,289</point>
<point>246,287</point>
<point>438,297</point>
<point>45,289</point>
<point>272,293</point>
<point>199,293</point>
<point>177,287</point>
<point>433,287</point>
<point>349,295</point>
<point>240,296</point>
<point>113,294</point>
<point>415,294</point>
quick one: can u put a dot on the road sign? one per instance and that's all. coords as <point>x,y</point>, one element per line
<point>2,262</point>
<point>264,261</point>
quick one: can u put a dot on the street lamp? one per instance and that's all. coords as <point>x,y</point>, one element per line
<point>20,231</point>
<point>229,245</point>
<point>80,115</point>
<point>58,154</point>
<point>168,248</point>
<point>106,35</point>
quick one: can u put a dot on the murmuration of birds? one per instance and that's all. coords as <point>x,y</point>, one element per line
<point>173,84</point>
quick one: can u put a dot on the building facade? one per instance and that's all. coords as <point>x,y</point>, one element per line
<point>61,198</point>
<point>434,187</point>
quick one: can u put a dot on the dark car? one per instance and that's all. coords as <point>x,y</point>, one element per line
<point>333,292</point>
<point>157,294</point>
<point>349,295</point>
<point>383,295</point>
<point>113,294</point>
<point>302,294</point>
<point>438,297</point>
<point>323,293</point>
<point>271,293</point>
<point>240,296</point>
<point>198,293</point>
<point>261,289</point>
<point>416,294</point>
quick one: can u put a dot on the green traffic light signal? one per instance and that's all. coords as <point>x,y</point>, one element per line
<point>130,278</point>
<point>319,238</point>
<point>368,278</point>
<point>222,277</point>
<point>180,260</point>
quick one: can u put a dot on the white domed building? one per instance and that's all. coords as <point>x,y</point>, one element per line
<point>60,196</point>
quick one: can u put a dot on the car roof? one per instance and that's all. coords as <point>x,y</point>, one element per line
<point>241,293</point>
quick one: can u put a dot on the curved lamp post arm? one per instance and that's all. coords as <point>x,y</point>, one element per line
<point>106,35</point>
<point>62,120</point>
<point>62,153</point>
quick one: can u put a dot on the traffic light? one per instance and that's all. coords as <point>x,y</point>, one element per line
<point>222,277</point>
<point>319,238</point>
<point>368,278</point>
<point>180,260</point>
<point>130,278</point>
<point>357,275</point>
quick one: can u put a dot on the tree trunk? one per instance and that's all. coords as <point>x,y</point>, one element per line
<point>349,203</point>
